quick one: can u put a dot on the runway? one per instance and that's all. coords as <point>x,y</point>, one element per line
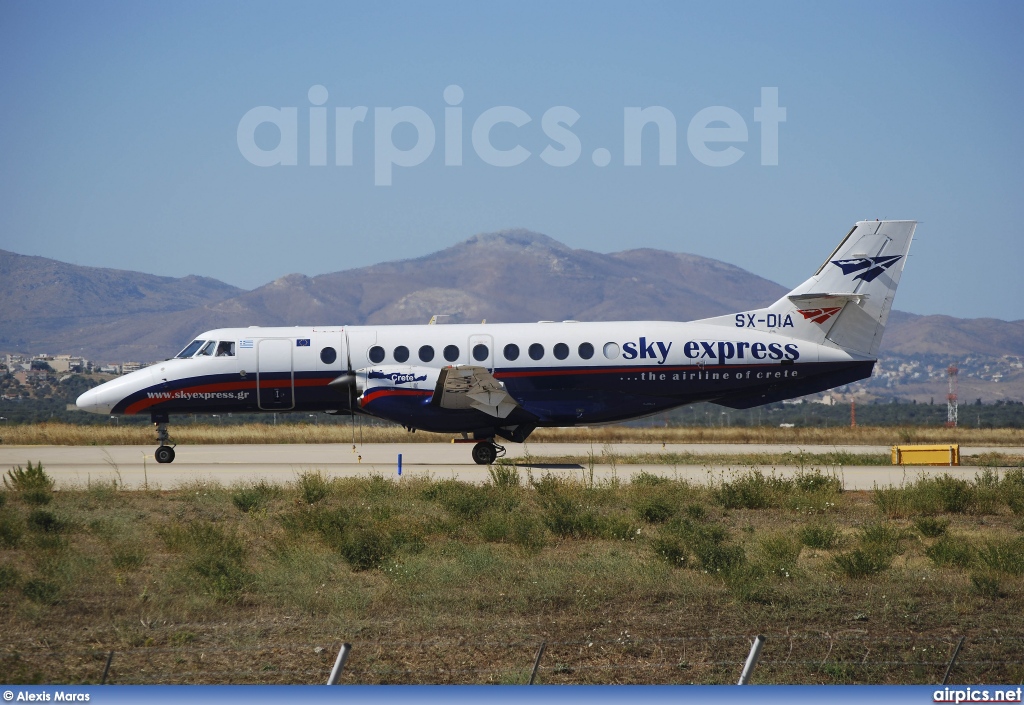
<point>133,467</point>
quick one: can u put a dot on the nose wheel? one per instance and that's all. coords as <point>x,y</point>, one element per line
<point>486,452</point>
<point>164,453</point>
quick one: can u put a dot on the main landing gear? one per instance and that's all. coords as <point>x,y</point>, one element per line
<point>165,452</point>
<point>486,452</point>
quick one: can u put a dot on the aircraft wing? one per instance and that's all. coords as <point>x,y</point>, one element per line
<point>472,387</point>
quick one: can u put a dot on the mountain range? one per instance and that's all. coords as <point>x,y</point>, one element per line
<point>508,276</point>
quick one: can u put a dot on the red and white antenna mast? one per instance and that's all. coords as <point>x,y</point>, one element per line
<point>951,403</point>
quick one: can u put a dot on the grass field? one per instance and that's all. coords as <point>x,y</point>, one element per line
<point>655,581</point>
<point>69,434</point>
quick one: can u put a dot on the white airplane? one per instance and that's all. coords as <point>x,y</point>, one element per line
<point>505,380</point>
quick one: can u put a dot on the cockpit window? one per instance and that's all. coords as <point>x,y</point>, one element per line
<point>207,349</point>
<point>226,348</point>
<point>191,348</point>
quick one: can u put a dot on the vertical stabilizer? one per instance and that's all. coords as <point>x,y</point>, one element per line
<point>847,301</point>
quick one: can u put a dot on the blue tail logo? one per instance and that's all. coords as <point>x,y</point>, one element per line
<point>871,266</point>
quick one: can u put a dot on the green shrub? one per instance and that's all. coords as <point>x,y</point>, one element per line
<point>748,583</point>
<point>495,527</point>
<point>128,556</point>
<point>862,562</point>
<point>886,538</point>
<point>817,482</point>
<point>950,551</point>
<point>313,487</point>
<point>9,577</point>
<point>214,555</point>
<point>33,485</point>
<point>654,508</point>
<point>564,517</point>
<point>820,535</point>
<point>670,547</point>
<point>750,491</point>
<point>42,591</point>
<point>956,494</point>
<point>527,532</point>
<point>986,584</point>
<point>504,474</point>
<point>366,547</point>
<point>930,527</point>
<point>465,501</point>
<point>718,557</point>
<point>1006,556</point>
<point>45,521</point>
<point>256,496</point>
<point>696,512</point>
<point>1012,490</point>
<point>779,554</point>
<point>10,529</point>
<point>223,576</point>
<point>616,527</point>
<point>647,479</point>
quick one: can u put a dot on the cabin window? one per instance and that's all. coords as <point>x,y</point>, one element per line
<point>561,351</point>
<point>586,351</point>
<point>226,348</point>
<point>328,356</point>
<point>611,350</point>
<point>401,354</point>
<point>480,352</point>
<point>451,353</point>
<point>191,348</point>
<point>207,349</point>
<point>511,351</point>
<point>426,353</point>
<point>536,351</point>
<point>376,354</point>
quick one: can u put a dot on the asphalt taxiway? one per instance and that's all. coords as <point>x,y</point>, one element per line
<point>133,467</point>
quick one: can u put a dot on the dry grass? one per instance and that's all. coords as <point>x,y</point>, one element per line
<point>68,434</point>
<point>657,581</point>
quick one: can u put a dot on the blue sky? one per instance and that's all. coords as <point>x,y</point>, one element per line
<point>120,134</point>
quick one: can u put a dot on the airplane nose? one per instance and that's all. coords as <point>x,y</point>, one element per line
<point>94,402</point>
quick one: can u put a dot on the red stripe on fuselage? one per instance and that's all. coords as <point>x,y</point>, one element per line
<point>375,394</point>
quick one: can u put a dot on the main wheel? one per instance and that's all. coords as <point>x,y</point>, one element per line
<point>484,453</point>
<point>164,454</point>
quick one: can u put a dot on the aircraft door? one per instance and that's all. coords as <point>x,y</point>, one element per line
<point>481,351</point>
<point>275,379</point>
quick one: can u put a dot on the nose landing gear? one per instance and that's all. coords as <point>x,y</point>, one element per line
<point>486,452</point>
<point>165,452</point>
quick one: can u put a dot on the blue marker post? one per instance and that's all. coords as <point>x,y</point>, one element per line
<point>399,464</point>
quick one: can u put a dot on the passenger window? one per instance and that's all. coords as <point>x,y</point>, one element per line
<point>451,353</point>
<point>511,351</point>
<point>190,349</point>
<point>561,351</point>
<point>611,350</point>
<point>536,351</point>
<point>328,356</point>
<point>376,354</point>
<point>426,353</point>
<point>480,352</point>
<point>207,349</point>
<point>225,348</point>
<point>401,353</point>
<point>586,351</point>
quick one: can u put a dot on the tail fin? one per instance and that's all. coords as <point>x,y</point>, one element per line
<point>847,301</point>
